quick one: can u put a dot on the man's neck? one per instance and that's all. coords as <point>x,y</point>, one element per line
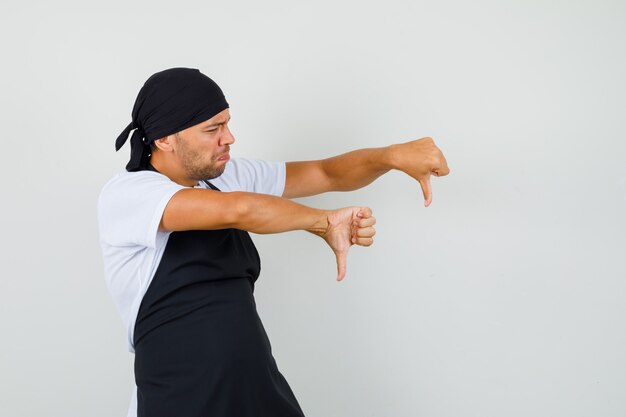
<point>174,173</point>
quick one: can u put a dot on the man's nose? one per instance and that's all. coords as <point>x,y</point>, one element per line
<point>228,137</point>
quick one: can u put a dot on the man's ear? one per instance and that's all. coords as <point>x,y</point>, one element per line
<point>165,143</point>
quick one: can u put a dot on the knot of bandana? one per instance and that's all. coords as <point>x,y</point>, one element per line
<point>169,101</point>
<point>139,148</point>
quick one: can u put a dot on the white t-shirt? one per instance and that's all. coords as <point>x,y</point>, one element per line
<point>130,208</point>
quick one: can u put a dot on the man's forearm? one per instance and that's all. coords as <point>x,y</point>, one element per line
<point>261,213</point>
<point>356,169</point>
<point>418,158</point>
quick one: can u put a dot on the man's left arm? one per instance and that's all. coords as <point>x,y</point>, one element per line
<point>419,158</point>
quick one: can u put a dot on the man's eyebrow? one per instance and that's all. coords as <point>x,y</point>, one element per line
<point>216,124</point>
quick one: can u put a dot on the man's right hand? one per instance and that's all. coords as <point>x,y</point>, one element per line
<point>346,227</point>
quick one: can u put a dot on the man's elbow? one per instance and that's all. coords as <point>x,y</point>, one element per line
<point>237,211</point>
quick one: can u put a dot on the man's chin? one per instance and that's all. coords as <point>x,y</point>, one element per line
<point>214,173</point>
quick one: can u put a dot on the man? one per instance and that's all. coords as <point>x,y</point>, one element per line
<point>179,261</point>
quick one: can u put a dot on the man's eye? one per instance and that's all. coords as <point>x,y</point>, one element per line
<point>211,130</point>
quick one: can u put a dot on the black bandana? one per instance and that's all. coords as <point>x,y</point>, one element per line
<point>169,101</point>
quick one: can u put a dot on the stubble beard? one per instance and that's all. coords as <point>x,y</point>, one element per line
<point>195,167</point>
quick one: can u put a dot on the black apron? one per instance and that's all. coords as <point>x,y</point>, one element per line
<point>200,347</point>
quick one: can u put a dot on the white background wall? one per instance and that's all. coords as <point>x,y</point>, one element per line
<point>504,298</point>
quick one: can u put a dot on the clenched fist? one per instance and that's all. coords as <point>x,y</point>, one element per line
<point>420,159</point>
<point>346,227</point>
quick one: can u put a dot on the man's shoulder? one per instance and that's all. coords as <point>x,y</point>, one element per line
<point>129,207</point>
<point>125,179</point>
<point>138,177</point>
<point>249,174</point>
<point>131,186</point>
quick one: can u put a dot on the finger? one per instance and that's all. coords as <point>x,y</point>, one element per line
<point>444,170</point>
<point>370,221</point>
<point>440,171</point>
<point>364,212</point>
<point>364,241</point>
<point>366,232</point>
<point>341,264</point>
<point>426,190</point>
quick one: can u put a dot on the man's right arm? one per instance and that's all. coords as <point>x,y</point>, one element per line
<point>201,209</point>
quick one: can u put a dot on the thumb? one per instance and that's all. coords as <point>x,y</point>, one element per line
<point>426,190</point>
<point>341,264</point>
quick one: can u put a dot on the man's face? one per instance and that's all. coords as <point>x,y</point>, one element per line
<point>203,148</point>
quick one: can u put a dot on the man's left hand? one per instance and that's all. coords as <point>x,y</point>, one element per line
<point>420,159</point>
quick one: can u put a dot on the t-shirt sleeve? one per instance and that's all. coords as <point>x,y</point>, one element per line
<point>254,175</point>
<point>131,205</point>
